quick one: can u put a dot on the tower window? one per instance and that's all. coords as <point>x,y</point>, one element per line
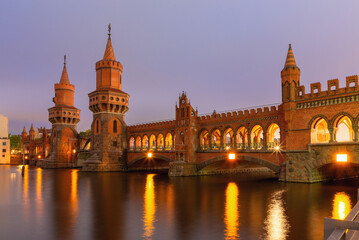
<point>114,126</point>
<point>97,127</point>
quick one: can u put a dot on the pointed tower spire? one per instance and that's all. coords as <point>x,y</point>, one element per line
<point>109,53</point>
<point>290,61</point>
<point>24,130</point>
<point>64,77</point>
<point>32,127</point>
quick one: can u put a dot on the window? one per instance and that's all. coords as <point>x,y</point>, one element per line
<point>3,156</point>
<point>114,126</point>
<point>4,150</point>
<point>4,143</point>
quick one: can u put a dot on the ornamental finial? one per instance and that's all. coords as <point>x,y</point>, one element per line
<point>65,59</point>
<point>109,29</point>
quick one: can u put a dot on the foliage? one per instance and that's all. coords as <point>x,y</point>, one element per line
<point>85,133</point>
<point>15,142</point>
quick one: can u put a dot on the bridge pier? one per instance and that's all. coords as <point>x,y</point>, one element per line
<point>182,169</point>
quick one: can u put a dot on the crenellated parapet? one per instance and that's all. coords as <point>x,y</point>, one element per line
<point>152,126</point>
<point>333,95</point>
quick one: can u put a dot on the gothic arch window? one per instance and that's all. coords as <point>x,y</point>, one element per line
<point>97,127</point>
<point>319,131</point>
<point>114,126</point>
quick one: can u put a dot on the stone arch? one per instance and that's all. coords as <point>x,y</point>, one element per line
<point>336,116</point>
<point>215,138</point>
<point>228,138</point>
<point>152,141</point>
<point>131,142</point>
<point>343,127</point>
<point>169,141</point>
<point>160,142</point>
<point>138,142</point>
<point>273,135</point>
<point>319,130</point>
<point>257,136</point>
<point>313,119</point>
<point>260,161</point>
<point>145,142</point>
<point>242,137</point>
<point>154,156</point>
<point>204,139</point>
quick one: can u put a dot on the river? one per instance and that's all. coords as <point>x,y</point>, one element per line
<point>70,204</point>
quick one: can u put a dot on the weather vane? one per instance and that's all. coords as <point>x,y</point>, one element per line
<point>65,59</point>
<point>109,29</point>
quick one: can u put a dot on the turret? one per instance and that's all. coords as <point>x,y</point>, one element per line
<point>290,77</point>
<point>24,134</point>
<point>32,132</point>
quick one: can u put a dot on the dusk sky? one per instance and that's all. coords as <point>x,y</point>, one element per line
<point>224,54</point>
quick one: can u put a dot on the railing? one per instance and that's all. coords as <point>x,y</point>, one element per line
<point>343,229</point>
<point>272,145</point>
<point>243,109</point>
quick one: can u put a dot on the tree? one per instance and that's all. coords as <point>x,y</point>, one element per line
<point>85,133</point>
<point>15,142</point>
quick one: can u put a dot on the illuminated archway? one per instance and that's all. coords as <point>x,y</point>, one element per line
<point>242,136</point>
<point>228,138</point>
<point>203,140</point>
<point>132,143</point>
<point>343,129</point>
<point>273,136</point>
<point>319,131</point>
<point>152,142</point>
<point>160,142</point>
<point>145,142</point>
<point>257,137</point>
<point>216,139</point>
<point>138,143</point>
<point>169,141</point>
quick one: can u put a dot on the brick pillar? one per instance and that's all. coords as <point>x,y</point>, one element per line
<point>331,133</point>
<point>249,141</point>
<point>234,141</point>
<point>355,129</point>
<point>264,140</point>
<point>221,147</point>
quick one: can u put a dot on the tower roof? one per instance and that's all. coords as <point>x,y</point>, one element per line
<point>290,61</point>
<point>64,77</point>
<point>109,53</point>
<point>32,128</point>
<point>24,130</point>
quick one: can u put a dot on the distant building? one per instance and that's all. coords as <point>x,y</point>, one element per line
<point>4,140</point>
<point>36,144</point>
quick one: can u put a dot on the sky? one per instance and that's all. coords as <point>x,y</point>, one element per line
<point>225,54</point>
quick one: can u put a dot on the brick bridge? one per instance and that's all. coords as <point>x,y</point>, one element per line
<point>298,139</point>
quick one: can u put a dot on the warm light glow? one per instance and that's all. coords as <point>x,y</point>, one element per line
<point>277,148</point>
<point>341,205</point>
<point>74,180</point>
<point>149,155</point>
<point>276,223</point>
<point>342,157</point>
<point>227,148</point>
<point>26,157</point>
<point>74,151</point>
<point>39,156</point>
<point>149,208</point>
<point>38,183</point>
<point>231,156</point>
<point>231,214</point>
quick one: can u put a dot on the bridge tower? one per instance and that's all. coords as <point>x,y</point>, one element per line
<point>186,143</point>
<point>109,105</point>
<point>64,118</point>
<point>290,81</point>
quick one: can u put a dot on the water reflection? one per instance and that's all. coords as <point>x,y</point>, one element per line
<point>231,211</point>
<point>149,208</point>
<point>276,223</point>
<point>74,177</point>
<point>341,205</point>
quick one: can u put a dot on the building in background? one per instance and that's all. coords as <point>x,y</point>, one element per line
<point>36,144</point>
<point>4,140</point>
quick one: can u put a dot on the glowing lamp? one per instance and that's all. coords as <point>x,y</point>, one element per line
<point>26,157</point>
<point>276,148</point>
<point>74,151</point>
<point>39,156</point>
<point>149,155</point>
<point>231,156</point>
<point>342,157</point>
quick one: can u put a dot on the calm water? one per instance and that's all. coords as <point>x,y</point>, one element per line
<point>68,204</point>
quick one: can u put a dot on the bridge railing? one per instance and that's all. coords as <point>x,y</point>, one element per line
<point>343,229</point>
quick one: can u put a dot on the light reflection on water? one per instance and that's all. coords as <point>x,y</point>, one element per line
<point>231,212</point>
<point>276,223</point>
<point>341,205</point>
<point>70,204</point>
<point>149,208</point>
